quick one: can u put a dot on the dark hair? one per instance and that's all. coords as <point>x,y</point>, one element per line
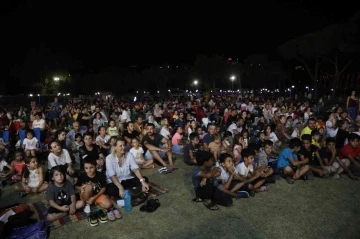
<point>54,169</point>
<point>151,124</point>
<point>330,140</point>
<point>78,135</point>
<point>223,156</point>
<point>245,153</point>
<point>295,142</point>
<point>90,160</point>
<point>254,147</point>
<point>193,135</point>
<point>202,157</point>
<point>306,137</point>
<point>268,142</point>
<point>315,132</point>
<point>353,137</point>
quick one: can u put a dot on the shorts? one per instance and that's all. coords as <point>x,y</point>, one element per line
<point>337,165</point>
<point>97,201</point>
<point>281,170</point>
<point>149,156</point>
<point>52,210</point>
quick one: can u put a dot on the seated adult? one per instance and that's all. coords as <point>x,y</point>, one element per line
<point>60,157</point>
<point>155,147</point>
<point>119,165</point>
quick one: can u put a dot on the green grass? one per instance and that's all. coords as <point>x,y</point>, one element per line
<point>307,209</point>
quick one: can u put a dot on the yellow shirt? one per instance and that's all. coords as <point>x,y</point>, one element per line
<point>306,130</point>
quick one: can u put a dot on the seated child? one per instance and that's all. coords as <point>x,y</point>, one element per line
<point>349,158</point>
<point>32,178</point>
<point>5,175</point>
<point>309,151</point>
<point>92,186</point>
<point>231,183</point>
<point>30,144</point>
<point>191,149</point>
<point>203,179</point>
<point>61,196</point>
<point>215,146</point>
<point>255,178</point>
<point>263,160</point>
<point>328,156</point>
<point>138,152</point>
<point>76,146</point>
<point>288,164</point>
<point>17,164</point>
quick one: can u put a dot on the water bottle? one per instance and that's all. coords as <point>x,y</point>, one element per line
<point>127,200</point>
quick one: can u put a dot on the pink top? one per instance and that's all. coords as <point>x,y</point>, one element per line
<point>175,139</point>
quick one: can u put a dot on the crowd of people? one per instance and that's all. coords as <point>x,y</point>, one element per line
<point>87,153</point>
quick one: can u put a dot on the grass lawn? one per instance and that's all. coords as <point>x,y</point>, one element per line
<point>307,209</point>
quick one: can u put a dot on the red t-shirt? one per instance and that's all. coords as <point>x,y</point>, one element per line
<point>349,150</point>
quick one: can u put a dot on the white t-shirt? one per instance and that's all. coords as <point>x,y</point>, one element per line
<point>125,116</point>
<point>243,170</point>
<point>137,154</point>
<point>54,160</point>
<point>30,143</point>
<point>122,173</point>
<point>233,127</point>
<point>3,163</point>
<point>165,132</point>
<point>38,124</point>
<point>224,174</point>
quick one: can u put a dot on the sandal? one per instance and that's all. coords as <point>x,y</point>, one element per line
<point>197,200</point>
<point>152,205</point>
<point>289,180</point>
<point>264,189</point>
<point>211,206</point>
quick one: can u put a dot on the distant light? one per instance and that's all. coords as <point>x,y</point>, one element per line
<point>56,78</point>
<point>169,90</point>
<point>30,95</point>
<point>196,91</point>
<point>144,92</point>
<point>332,89</point>
<point>229,59</point>
<point>292,86</point>
<point>38,94</point>
<point>137,92</point>
<point>232,78</point>
<point>158,92</point>
<point>134,98</point>
<point>195,82</point>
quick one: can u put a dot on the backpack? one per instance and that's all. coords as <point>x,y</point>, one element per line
<point>37,230</point>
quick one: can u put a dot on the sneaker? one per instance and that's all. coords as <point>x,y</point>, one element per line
<point>102,216</point>
<point>242,194</point>
<point>335,177</point>
<point>117,214</point>
<point>111,216</point>
<point>93,219</point>
<point>87,208</point>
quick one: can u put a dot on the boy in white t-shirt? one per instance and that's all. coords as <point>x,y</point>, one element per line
<point>138,152</point>
<point>30,144</point>
<point>255,178</point>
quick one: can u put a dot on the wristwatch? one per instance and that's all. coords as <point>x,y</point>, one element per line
<point>142,180</point>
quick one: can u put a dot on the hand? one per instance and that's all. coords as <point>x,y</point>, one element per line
<point>27,189</point>
<point>65,208</point>
<point>165,150</point>
<point>231,170</point>
<point>121,192</point>
<point>257,174</point>
<point>35,190</point>
<point>203,182</point>
<point>90,200</point>
<point>70,171</point>
<point>83,188</point>
<point>72,209</point>
<point>100,162</point>
<point>145,187</point>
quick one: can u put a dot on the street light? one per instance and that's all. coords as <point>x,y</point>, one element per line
<point>195,82</point>
<point>232,78</point>
<point>56,78</point>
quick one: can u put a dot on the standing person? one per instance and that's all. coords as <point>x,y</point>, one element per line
<point>352,104</point>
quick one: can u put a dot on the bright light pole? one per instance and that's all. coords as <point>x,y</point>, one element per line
<point>195,83</point>
<point>56,79</point>
<point>232,78</point>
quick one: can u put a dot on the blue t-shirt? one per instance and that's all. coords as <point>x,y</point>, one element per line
<point>284,156</point>
<point>207,139</point>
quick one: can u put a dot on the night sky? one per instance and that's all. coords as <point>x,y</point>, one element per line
<point>103,35</point>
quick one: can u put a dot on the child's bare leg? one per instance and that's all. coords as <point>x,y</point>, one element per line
<point>88,193</point>
<point>79,204</point>
<point>300,172</point>
<point>106,203</point>
<point>269,172</point>
<point>33,152</point>
<point>148,164</point>
<point>55,216</point>
<point>27,153</point>
<point>258,184</point>
<point>288,171</point>
<point>237,187</point>
<point>43,187</point>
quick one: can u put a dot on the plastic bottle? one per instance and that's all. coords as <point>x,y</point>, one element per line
<point>127,201</point>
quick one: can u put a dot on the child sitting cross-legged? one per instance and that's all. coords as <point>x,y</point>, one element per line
<point>288,164</point>
<point>231,183</point>
<point>255,178</point>
<point>203,179</point>
<point>61,196</point>
<point>92,185</point>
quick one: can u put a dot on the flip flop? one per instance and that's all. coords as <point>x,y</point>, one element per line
<point>152,205</point>
<point>211,206</point>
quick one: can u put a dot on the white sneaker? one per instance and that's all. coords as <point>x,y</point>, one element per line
<point>335,177</point>
<point>87,208</point>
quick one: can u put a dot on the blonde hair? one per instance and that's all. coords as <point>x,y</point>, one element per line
<point>113,148</point>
